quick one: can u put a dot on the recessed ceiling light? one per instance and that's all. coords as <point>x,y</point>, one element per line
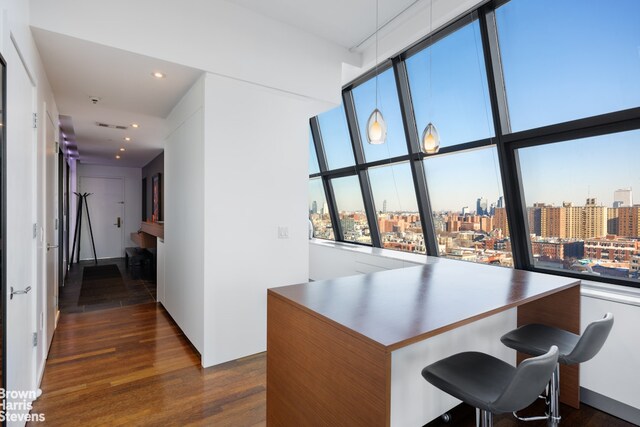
<point>121,148</point>
<point>117,156</point>
<point>126,138</point>
<point>158,75</point>
<point>135,125</point>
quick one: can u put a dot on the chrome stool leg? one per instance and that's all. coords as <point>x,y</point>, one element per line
<point>484,418</point>
<point>554,401</point>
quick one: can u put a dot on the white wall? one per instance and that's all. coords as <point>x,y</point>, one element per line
<point>132,199</point>
<point>329,260</point>
<point>14,31</point>
<point>256,151</point>
<point>184,241</point>
<point>614,372</point>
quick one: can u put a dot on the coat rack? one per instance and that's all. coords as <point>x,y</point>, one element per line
<point>82,200</point>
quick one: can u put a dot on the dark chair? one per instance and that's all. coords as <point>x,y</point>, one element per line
<point>534,339</point>
<point>491,385</point>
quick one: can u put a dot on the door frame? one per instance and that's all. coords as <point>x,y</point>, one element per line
<point>62,213</point>
<point>3,225</point>
<point>124,210</point>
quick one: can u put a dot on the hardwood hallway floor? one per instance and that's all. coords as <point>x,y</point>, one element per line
<point>133,366</point>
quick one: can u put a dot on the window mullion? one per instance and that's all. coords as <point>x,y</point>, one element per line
<point>417,167</point>
<point>507,158</point>
<point>358,151</point>
<point>328,189</point>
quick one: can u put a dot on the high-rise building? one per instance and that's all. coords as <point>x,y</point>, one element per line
<point>552,222</point>
<point>612,220</point>
<point>534,215</point>
<point>486,224</point>
<point>314,207</point>
<point>629,221</point>
<point>500,221</point>
<point>574,222</point>
<point>622,198</point>
<point>325,209</point>
<point>594,220</point>
<point>465,210</point>
<point>384,206</point>
<point>481,206</point>
<point>500,203</point>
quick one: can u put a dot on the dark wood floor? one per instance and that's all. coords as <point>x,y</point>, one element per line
<point>133,366</point>
<point>141,290</point>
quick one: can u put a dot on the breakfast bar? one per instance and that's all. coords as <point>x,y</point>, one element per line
<point>349,351</point>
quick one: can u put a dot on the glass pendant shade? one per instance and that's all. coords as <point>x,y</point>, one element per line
<point>430,140</point>
<point>376,128</point>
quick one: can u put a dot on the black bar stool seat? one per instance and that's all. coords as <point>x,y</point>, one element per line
<point>534,339</point>
<point>489,384</point>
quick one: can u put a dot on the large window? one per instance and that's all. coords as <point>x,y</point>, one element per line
<point>396,208</point>
<point>364,98</point>
<point>468,207</point>
<point>566,72</point>
<point>449,87</point>
<point>319,211</point>
<point>335,138</point>
<point>353,218</point>
<point>580,209</point>
<point>569,59</point>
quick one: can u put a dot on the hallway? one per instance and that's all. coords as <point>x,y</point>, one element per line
<point>139,289</point>
<point>133,366</point>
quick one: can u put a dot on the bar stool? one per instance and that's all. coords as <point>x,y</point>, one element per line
<point>491,385</point>
<point>534,339</point>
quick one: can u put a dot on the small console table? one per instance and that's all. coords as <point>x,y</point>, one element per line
<point>148,234</point>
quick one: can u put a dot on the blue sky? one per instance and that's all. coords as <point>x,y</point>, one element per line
<point>395,185</point>
<point>563,60</point>
<point>365,102</point>
<point>569,59</point>
<point>572,171</point>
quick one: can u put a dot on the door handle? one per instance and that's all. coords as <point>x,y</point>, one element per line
<point>117,222</point>
<point>22,292</point>
<point>51,247</point>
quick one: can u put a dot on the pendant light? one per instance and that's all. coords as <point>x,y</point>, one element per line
<point>376,126</point>
<point>430,141</point>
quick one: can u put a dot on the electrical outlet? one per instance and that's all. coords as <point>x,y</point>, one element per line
<point>283,232</point>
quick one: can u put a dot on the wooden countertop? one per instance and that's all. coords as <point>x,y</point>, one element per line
<point>395,308</point>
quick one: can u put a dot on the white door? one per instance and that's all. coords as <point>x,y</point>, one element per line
<point>106,211</point>
<point>51,224</point>
<point>20,165</point>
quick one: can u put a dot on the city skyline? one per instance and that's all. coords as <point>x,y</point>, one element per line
<point>556,173</point>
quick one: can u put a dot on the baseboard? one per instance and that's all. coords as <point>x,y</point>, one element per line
<point>610,406</point>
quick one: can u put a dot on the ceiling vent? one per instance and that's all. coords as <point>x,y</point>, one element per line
<point>106,125</point>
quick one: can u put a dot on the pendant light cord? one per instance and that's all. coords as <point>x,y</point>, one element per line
<point>430,59</point>
<point>376,68</point>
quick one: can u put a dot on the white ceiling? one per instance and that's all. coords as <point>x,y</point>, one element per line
<point>345,22</point>
<point>78,70</point>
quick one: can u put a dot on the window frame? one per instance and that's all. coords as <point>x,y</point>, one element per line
<point>506,142</point>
